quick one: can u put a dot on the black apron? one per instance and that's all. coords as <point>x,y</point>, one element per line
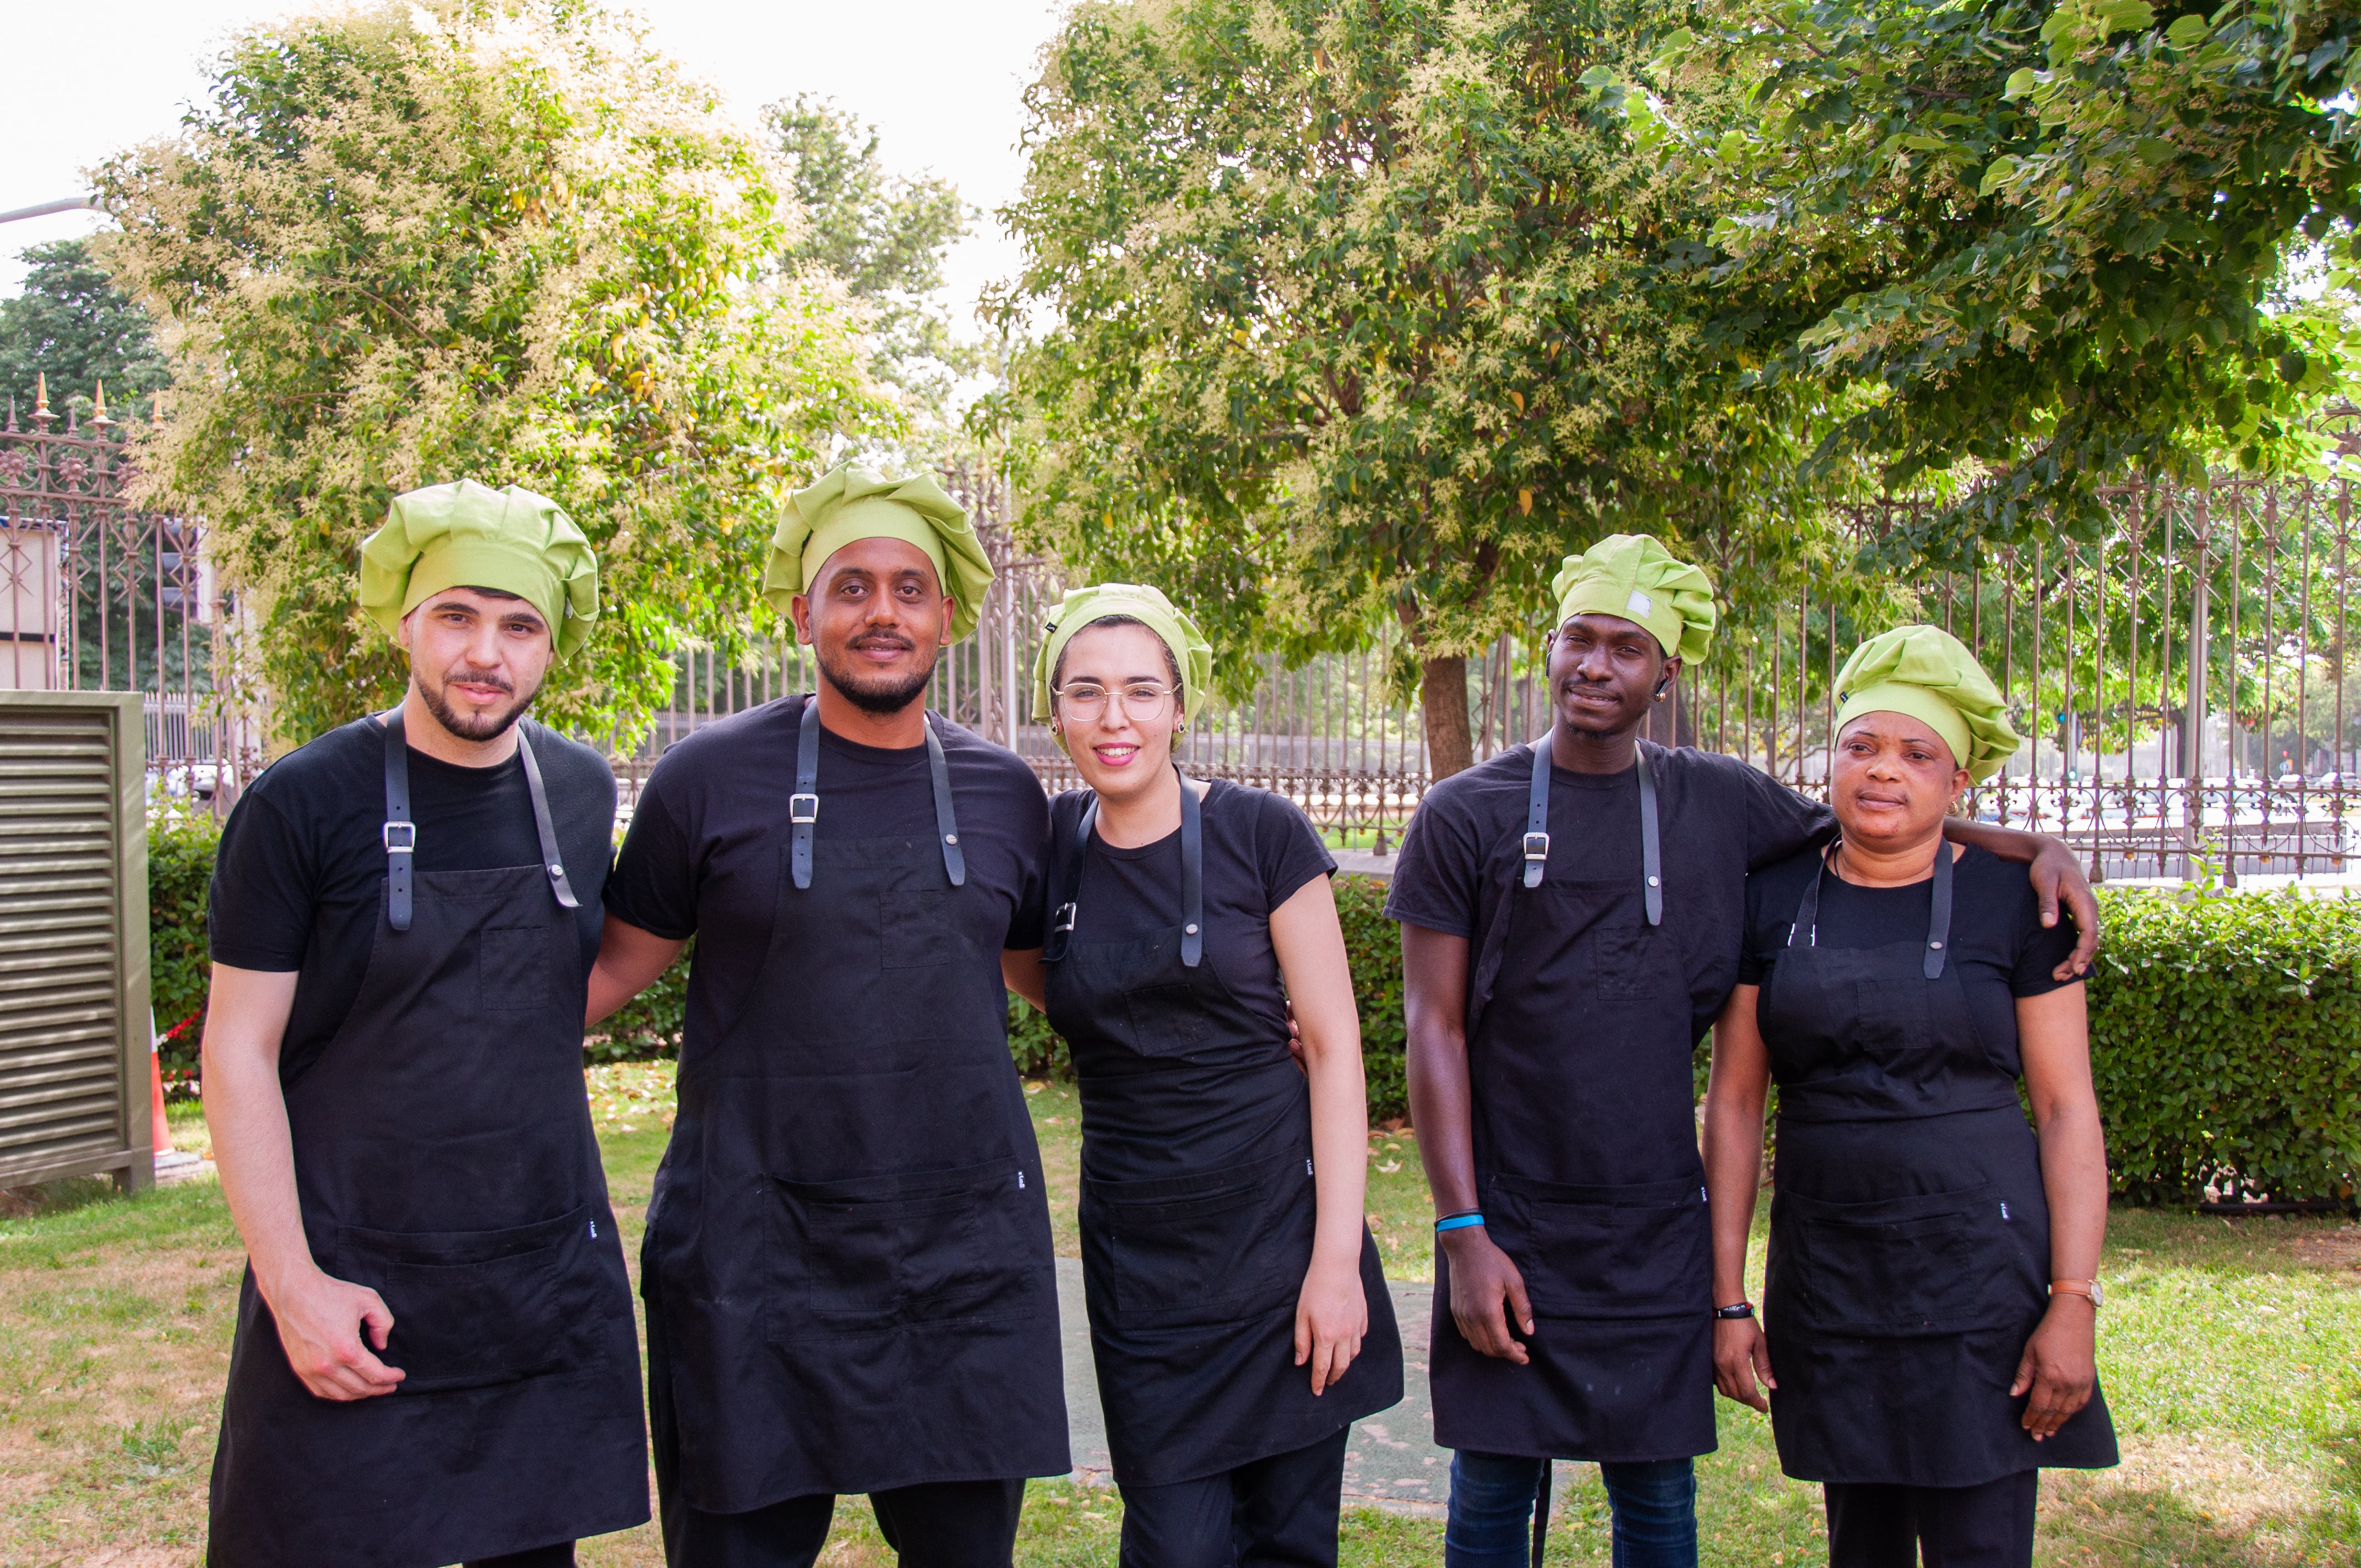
<point>1192,1274</point>
<point>1580,1044</point>
<point>444,1158</point>
<point>847,1267</point>
<point>1909,1231</point>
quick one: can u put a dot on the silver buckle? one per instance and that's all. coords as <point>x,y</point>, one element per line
<point>1065,919</point>
<point>393,849</point>
<point>1537,846</point>
<point>801,814</point>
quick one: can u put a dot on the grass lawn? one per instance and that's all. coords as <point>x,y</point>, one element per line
<point>2232,1354</point>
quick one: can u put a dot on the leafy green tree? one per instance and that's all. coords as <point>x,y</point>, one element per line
<point>2022,248</point>
<point>72,325</point>
<point>500,239</point>
<point>885,238</point>
<point>1361,317</point>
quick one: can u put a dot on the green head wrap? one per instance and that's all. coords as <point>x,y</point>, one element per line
<point>1926,673</point>
<point>1632,576</point>
<point>466,535</point>
<point>852,503</point>
<point>1191,655</point>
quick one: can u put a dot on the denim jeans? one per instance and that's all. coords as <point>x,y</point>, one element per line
<point>1491,1523</point>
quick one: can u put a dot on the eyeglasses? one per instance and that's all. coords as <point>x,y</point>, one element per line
<point>1086,703</point>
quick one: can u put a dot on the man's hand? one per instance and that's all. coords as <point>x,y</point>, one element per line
<point>1740,1354</point>
<point>2055,872</point>
<point>1486,1290</point>
<point>1331,1316</point>
<point>320,1320</point>
<point>2060,1365</point>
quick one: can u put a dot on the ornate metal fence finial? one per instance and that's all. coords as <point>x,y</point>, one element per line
<point>98,420</point>
<point>41,414</point>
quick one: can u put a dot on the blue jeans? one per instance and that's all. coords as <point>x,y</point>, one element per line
<point>1491,1523</point>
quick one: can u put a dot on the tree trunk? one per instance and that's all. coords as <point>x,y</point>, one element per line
<point>1442,693</point>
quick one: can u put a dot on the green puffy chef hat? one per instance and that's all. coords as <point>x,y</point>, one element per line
<point>466,535</point>
<point>1631,575</point>
<point>1191,655</point>
<point>1927,673</point>
<point>852,503</point>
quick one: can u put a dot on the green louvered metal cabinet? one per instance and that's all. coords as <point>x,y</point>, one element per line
<point>74,1093</point>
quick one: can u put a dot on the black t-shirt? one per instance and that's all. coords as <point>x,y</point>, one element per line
<point>1259,851</point>
<point>702,856</point>
<point>1719,817</point>
<point>298,880</point>
<point>1997,939</point>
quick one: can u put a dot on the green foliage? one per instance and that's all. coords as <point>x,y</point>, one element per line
<point>74,325</point>
<point>502,239</point>
<point>647,1028</point>
<point>1373,947</point>
<point>2032,237</point>
<point>1364,316</point>
<point>180,959</point>
<point>2225,1038</point>
<point>1041,1051</point>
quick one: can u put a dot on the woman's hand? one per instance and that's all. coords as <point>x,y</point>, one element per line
<point>1331,1316</point>
<point>1740,1354</point>
<point>2060,1365</point>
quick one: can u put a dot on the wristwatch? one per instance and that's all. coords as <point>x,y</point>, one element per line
<point>2090,1287</point>
<point>1735,1310</point>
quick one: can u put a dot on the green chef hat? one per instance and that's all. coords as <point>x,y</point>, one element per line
<point>1632,576</point>
<point>852,503</point>
<point>1191,655</point>
<point>466,535</point>
<point>1927,673</point>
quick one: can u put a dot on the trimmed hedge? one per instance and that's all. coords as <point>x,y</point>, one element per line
<point>2225,1030</point>
<point>2225,1042</point>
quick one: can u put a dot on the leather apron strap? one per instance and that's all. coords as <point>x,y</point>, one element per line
<point>551,861</point>
<point>1805,931</point>
<point>803,806</point>
<point>1651,846</point>
<point>1193,880</point>
<point>399,834</point>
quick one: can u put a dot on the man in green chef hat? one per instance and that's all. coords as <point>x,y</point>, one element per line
<point>435,1361</point>
<point>1571,915</point>
<point>848,1269</point>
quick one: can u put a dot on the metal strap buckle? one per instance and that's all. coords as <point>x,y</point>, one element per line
<point>410,846</point>
<point>1537,846</point>
<point>799,812</point>
<point>1065,919</point>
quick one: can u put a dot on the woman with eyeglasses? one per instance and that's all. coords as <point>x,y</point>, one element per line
<point>1933,1294</point>
<point>1238,1318</point>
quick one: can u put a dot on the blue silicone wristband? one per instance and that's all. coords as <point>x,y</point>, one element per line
<point>1457,1222</point>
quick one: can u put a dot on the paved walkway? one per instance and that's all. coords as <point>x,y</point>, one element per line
<point>1392,1464</point>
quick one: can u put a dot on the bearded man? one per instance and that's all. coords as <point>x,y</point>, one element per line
<point>848,1271</point>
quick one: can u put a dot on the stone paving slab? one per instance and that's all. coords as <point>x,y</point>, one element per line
<point>1392,1463</point>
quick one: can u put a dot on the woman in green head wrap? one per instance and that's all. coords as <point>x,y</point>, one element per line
<point>1933,1292</point>
<point>1238,1316</point>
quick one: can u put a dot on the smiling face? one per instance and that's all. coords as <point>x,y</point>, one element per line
<point>1605,673</point>
<point>877,620</point>
<point>1895,781</point>
<point>1128,746</point>
<point>478,658</point>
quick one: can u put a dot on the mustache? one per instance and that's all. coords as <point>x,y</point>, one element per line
<point>470,675</point>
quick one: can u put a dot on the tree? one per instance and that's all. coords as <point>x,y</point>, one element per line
<point>72,325</point>
<point>1368,315</point>
<point>2027,247</point>
<point>499,240</point>
<point>885,238</point>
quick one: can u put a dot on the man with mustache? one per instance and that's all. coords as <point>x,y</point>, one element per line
<point>436,1359</point>
<point>1572,916</point>
<point>848,1271</point>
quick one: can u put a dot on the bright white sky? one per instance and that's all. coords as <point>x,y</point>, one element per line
<point>940,79</point>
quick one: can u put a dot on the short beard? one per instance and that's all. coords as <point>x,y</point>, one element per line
<point>480,726</point>
<point>880,695</point>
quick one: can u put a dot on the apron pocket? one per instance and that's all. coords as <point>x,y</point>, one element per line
<point>1932,1263</point>
<point>512,968</point>
<point>1207,1249</point>
<point>882,1252</point>
<point>476,1307</point>
<point>1605,1252</point>
<point>1166,1020</point>
<point>1627,962</point>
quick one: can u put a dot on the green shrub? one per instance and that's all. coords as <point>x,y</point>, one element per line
<point>648,1027</point>
<point>179,875</point>
<point>2226,1037</point>
<point>1373,949</point>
